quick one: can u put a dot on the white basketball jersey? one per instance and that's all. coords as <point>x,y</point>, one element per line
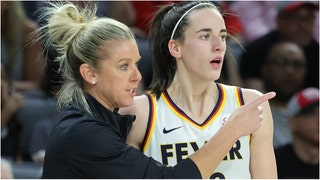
<point>172,136</point>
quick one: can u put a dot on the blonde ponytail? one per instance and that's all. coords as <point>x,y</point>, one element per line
<point>78,36</point>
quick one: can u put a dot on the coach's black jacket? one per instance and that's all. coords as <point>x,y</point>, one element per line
<point>85,146</point>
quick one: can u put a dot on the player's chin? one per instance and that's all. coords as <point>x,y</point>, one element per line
<point>215,76</point>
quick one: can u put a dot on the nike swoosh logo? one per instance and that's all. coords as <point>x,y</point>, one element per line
<point>170,130</point>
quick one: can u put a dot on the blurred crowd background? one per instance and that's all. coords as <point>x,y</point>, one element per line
<point>272,46</point>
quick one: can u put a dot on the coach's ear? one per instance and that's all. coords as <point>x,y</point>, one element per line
<point>88,74</point>
<point>174,48</point>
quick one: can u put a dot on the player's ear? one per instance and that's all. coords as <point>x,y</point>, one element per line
<point>174,48</point>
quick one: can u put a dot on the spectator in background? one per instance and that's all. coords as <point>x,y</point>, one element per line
<point>230,71</point>
<point>25,65</point>
<point>122,11</point>
<point>6,169</point>
<point>257,17</point>
<point>39,139</point>
<point>31,9</point>
<point>300,159</point>
<point>23,58</point>
<point>11,103</point>
<point>284,72</point>
<point>295,22</point>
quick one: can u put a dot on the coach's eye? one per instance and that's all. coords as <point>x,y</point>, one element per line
<point>124,67</point>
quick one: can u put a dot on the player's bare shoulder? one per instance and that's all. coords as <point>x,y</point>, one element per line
<point>139,106</point>
<point>250,94</point>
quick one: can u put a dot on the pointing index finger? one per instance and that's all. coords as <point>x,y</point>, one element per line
<point>265,97</point>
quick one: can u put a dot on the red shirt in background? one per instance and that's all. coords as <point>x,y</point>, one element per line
<point>145,10</point>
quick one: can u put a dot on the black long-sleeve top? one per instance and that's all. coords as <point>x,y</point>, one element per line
<point>85,146</point>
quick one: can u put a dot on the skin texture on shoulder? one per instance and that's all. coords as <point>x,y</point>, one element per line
<point>262,163</point>
<point>140,108</point>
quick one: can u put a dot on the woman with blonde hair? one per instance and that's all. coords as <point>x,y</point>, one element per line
<point>98,60</point>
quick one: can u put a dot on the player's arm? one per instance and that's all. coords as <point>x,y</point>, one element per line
<point>262,160</point>
<point>243,121</point>
<point>139,108</point>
